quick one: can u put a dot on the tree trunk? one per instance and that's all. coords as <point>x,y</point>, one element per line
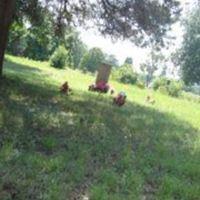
<point>6,15</point>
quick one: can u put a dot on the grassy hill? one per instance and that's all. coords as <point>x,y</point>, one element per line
<point>61,147</point>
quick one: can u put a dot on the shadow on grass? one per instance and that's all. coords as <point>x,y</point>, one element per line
<point>61,143</point>
<point>19,68</point>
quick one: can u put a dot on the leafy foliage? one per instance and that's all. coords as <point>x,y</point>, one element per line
<point>175,88</point>
<point>91,60</point>
<point>169,87</point>
<point>190,97</point>
<point>128,60</point>
<point>140,21</point>
<point>190,52</point>
<point>59,57</point>
<point>17,39</point>
<point>152,64</point>
<point>35,41</point>
<point>140,84</point>
<point>160,82</point>
<point>125,74</point>
<point>41,41</point>
<point>75,47</point>
<point>112,60</point>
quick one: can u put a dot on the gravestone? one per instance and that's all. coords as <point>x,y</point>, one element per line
<point>103,73</point>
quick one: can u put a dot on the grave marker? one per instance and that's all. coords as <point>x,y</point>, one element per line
<point>103,73</point>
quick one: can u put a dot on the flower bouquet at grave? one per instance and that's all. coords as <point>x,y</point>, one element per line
<point>101,87</point>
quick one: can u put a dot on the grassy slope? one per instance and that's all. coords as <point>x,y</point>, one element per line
<point>58,147</point>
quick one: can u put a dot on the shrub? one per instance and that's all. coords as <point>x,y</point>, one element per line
<point>159,82</point>
<point>175,88</point>
<point>125,74</point>
<point>190,97</point>
<point>140,84</point>
<point>59,57</point>
<point>163,90</point>
<point>129,78</point>
<point>169,87</point>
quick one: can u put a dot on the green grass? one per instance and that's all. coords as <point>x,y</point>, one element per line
<point>54,146</point>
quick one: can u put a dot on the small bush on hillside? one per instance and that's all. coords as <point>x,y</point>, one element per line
<point>190,97</point>
<point>169,87</point>
<point>175,88</point>
<point>125,74</point>
<point>160,82</point>
<point>163,90</point>
<point>59,57</point>
<point>140,84</point>
<point>128,78</point>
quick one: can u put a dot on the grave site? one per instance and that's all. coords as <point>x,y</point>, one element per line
<point>99,100</point>
<point>101,85</point>
<point>76,146</point>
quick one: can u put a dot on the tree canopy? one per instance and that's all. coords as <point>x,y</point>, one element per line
<point>128,60</point>
<point>152,64</point>
<point>190,51</point>
<point>141,21</point>
<point>92,59</point>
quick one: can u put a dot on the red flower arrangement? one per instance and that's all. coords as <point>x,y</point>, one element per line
<point>120,99</point>
<point>101,87</point>
<point>65,88</point>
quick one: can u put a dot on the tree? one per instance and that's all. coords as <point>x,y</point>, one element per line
<point>152,64</point>
<point>6,14</point>
<point>125,74</point>
<point>190,51</point>
<point>79,49</point>
<point>112,60</point>
<point>59,57</point>
<point>128,60</point>
<point>17,42</point>
<point>29,35</point>
<point>92,59</point>
<point>75,47</point>
<point>141,21</point>
<point>41,38</point>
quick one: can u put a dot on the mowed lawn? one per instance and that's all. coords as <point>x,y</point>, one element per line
<point>58,147</point>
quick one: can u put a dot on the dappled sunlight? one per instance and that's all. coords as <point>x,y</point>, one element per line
<point>86,118</point>
<point>87,145</point>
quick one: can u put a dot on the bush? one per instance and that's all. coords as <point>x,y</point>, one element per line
<point>190,97</point>
<point>125,74</point>
<point>59,57</point>
<point>140,84</point>
<point>175,88</point>
<point>163,90</point>
<point>128,78</point>
<point>169,87</point>
<point>159,82</point>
